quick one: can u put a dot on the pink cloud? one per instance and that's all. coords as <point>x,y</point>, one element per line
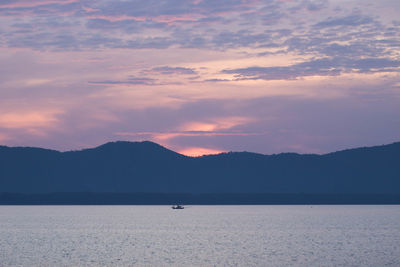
<point>30,3</point>
<point>89,9</point>
<point>168,19</point>
<point>28,120</point>
<point>160,136</point>
<point>174,18</point>
<point>215,124</point>
<point>215,127</point>
<point>117,18</point>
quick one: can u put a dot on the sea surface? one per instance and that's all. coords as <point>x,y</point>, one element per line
<point>200,236</point>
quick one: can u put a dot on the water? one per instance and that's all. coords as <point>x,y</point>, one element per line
<point>200,236</point>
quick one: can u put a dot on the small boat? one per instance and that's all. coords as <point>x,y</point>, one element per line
<point>177,207</point>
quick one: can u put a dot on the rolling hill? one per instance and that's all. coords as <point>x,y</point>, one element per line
<point>146,167</point>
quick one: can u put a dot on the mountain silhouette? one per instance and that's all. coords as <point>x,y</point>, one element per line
<point>146,167</point>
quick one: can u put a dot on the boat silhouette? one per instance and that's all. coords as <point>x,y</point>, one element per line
<point>177,207</point>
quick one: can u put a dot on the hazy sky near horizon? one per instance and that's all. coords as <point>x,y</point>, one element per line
<point>200,76</point>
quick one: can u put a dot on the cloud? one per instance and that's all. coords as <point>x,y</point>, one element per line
<point>208,128</point>
<point>28,120</point>
<point>149,42</point>
<point>130,81</point>
<point>44,40</point>
<point>29,3</point>
<point>351,21</point>
<point>78,55</point>
<point>174,7</point>
<point>134,24</point>
<point>310,5</point>
<point>104,24</point>
<point>316,5</point>
<point>215,80</point>
<point>366,65</point>
<point>126,25</point>
<point>168,135</point>
<point>41,8</point>
<point>215,124</point>
<point>166,11</point>
<point>370,49</point>
<point>243,38</point>
<point>167,70</point>
<point>317,67</point>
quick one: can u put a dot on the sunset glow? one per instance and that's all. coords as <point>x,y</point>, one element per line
<point>200,76</point>
<point>199,151</point>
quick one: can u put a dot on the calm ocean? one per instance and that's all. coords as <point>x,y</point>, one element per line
<point>200,236</point>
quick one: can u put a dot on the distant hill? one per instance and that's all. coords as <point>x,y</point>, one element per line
<point>146,167</point>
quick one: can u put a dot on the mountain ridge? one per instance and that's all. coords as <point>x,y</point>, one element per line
<point>228,152</point>
<point>147,167</point>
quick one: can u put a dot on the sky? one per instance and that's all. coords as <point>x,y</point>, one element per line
<point>200,76</point>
